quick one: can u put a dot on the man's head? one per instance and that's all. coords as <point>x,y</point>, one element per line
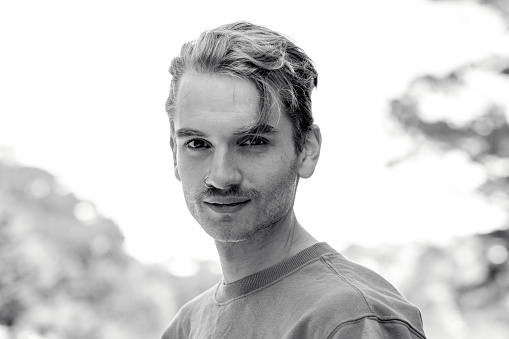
<point>282,73</point>
<point>242,132</point>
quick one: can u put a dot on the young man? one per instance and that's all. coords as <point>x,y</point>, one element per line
<point>242,137</point>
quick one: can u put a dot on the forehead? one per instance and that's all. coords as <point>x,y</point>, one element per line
<point>221,98</point>
<point>215,96</point>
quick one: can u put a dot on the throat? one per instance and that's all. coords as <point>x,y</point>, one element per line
<point>266,248</point>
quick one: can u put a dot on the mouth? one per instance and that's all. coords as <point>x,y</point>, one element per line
<point>226,207</point>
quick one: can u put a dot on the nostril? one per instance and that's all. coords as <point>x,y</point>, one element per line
<point>207,184</point>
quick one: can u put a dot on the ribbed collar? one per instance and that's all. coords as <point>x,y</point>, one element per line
<point>226,293</point>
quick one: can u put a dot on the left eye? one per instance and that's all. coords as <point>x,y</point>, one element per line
<point>197,144</point>
<point>253,141</point>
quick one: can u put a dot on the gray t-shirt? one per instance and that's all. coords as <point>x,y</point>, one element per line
<point>317,293</point>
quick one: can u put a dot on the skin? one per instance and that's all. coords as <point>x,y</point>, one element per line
<point>254,172</point>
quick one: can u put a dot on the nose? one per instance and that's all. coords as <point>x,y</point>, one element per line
<point>224,171</point>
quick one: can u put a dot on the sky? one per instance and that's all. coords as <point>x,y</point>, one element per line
<point>83,87</point>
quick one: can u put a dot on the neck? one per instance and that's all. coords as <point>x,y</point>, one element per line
<point>268,247</point>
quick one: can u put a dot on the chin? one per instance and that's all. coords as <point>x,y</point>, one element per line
<point>230,241</point>
<point>228,232</point>
<point>260,232</point>
<point>228,237</point>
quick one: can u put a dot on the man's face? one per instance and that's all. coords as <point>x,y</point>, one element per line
<point>253,171</point>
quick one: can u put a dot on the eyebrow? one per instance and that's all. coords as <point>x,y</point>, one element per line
<point>188,132</point>
<point>258,129</point>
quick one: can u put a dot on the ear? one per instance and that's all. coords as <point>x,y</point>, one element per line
<point>174,152</point>
<point>308,158</point>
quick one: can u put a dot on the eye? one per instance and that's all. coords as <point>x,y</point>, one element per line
<point>197,144</point>
<point>253,141</point>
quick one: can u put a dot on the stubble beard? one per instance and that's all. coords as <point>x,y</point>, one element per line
<point>275,208</point>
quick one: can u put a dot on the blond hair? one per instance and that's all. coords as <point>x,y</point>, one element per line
<point>282,72</point>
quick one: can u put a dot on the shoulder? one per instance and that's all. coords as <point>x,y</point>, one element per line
<point>180,326</point>
<point>372,301</point>
<point>332,297</point>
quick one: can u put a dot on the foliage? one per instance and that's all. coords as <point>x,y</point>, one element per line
<point>464,287</point>
<point>472,122</point>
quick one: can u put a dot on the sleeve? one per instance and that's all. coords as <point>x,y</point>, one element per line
<point>374,328</point>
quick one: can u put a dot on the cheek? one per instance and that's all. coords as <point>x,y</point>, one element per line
<point>188,171</point>
<point>281,177</point>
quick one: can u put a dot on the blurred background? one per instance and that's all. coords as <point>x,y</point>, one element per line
<point>413,180</point>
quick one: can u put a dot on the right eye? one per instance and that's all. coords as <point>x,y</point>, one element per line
<point>197,144</point>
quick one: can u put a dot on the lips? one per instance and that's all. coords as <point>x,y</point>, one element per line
<point>227,205</point>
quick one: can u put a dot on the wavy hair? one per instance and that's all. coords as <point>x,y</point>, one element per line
<point>282,72</point>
